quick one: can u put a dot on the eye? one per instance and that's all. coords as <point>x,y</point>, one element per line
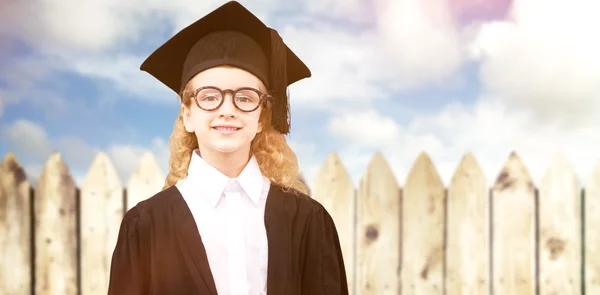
<point>209,98</point>
<point>209,95</point>
<point>243,98</point>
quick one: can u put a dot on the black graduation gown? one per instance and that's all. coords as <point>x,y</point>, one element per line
<point>159,249</point>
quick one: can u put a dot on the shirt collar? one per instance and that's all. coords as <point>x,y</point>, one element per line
<point>211,182</point>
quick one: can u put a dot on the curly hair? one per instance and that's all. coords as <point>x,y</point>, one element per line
<point>276,159</point>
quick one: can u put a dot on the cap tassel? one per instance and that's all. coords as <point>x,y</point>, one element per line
<point>280,117</point>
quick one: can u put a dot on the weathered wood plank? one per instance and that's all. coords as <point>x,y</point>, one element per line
<point>101,214</point>
<point>15,228</point>
<point>468,249</point>
<point>334,189</point>
<point>55,226</point>
<point>513,223</point>
<point>423,221</point>
<point>378,231</point>
<point>560,230</point>
<point>146,181</point>
<point>592,232</point>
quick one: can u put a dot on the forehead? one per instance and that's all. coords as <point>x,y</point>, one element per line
<point>226,77</point>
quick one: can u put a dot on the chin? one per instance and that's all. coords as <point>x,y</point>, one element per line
<point>226,149</point>
<point>227,146</point>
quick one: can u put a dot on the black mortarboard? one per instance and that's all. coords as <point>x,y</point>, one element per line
<point>230,35</point>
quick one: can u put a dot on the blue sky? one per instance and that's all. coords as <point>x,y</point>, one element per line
<point>398,77</point>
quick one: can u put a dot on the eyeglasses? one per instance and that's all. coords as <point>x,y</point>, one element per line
<point>245,99</point>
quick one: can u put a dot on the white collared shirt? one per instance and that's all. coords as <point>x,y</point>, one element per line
<point>230,218</point>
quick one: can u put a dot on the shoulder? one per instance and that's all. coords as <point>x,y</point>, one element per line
<point>306,206</point>
<point>141,215</point>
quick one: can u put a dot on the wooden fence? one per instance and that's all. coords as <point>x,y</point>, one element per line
<point>507,237</point>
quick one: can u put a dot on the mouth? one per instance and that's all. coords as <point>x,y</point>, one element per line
<point>226,128</point>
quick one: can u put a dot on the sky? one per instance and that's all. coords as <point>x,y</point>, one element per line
<point>398,77</point>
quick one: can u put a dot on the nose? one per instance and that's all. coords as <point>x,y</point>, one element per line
<point>227,108</point>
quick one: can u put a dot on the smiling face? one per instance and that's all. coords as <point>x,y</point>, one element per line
<point>225,130</point>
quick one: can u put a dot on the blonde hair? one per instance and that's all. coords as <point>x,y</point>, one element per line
<point>276,159</point>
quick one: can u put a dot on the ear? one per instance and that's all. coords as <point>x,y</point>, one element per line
<point>187,119</point>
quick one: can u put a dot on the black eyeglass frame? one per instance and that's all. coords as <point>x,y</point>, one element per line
<point>263,97</point>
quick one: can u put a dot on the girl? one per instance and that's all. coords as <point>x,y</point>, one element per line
<point>233,217</point>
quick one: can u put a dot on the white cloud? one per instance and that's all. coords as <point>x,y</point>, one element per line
<point>542,75</point>
<point>23,77</point>
<point>356,11</point>
<point>25,72</point>
<point>347,65</point>
<point>123,73</point>
<point>419,44</point>
<point>337,62</point>
<point>95,26</point>
<point>545,58</point>
<point>414,44</point>
<point>28,138</point>
<point>82,37</point>
<point>366,128</point>
<point>491,131</point>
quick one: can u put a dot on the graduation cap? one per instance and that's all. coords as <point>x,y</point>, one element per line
<point>230,35</point>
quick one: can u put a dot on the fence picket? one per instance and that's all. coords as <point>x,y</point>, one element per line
<point>513,228</point>
<point>334,189</point>
<point>378,230</point>
<point>146,181</point>
<point>560,230</point>
<point>101,214</point>
<point>468,231</point>
<point>15,228</point>
<point>423,203</point>
<point>592,232</point>
<point>56,230</point>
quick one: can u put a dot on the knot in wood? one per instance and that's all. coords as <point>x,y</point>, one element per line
<point>556,246</point>
<point>372,233</point>
<point>17,171</point>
